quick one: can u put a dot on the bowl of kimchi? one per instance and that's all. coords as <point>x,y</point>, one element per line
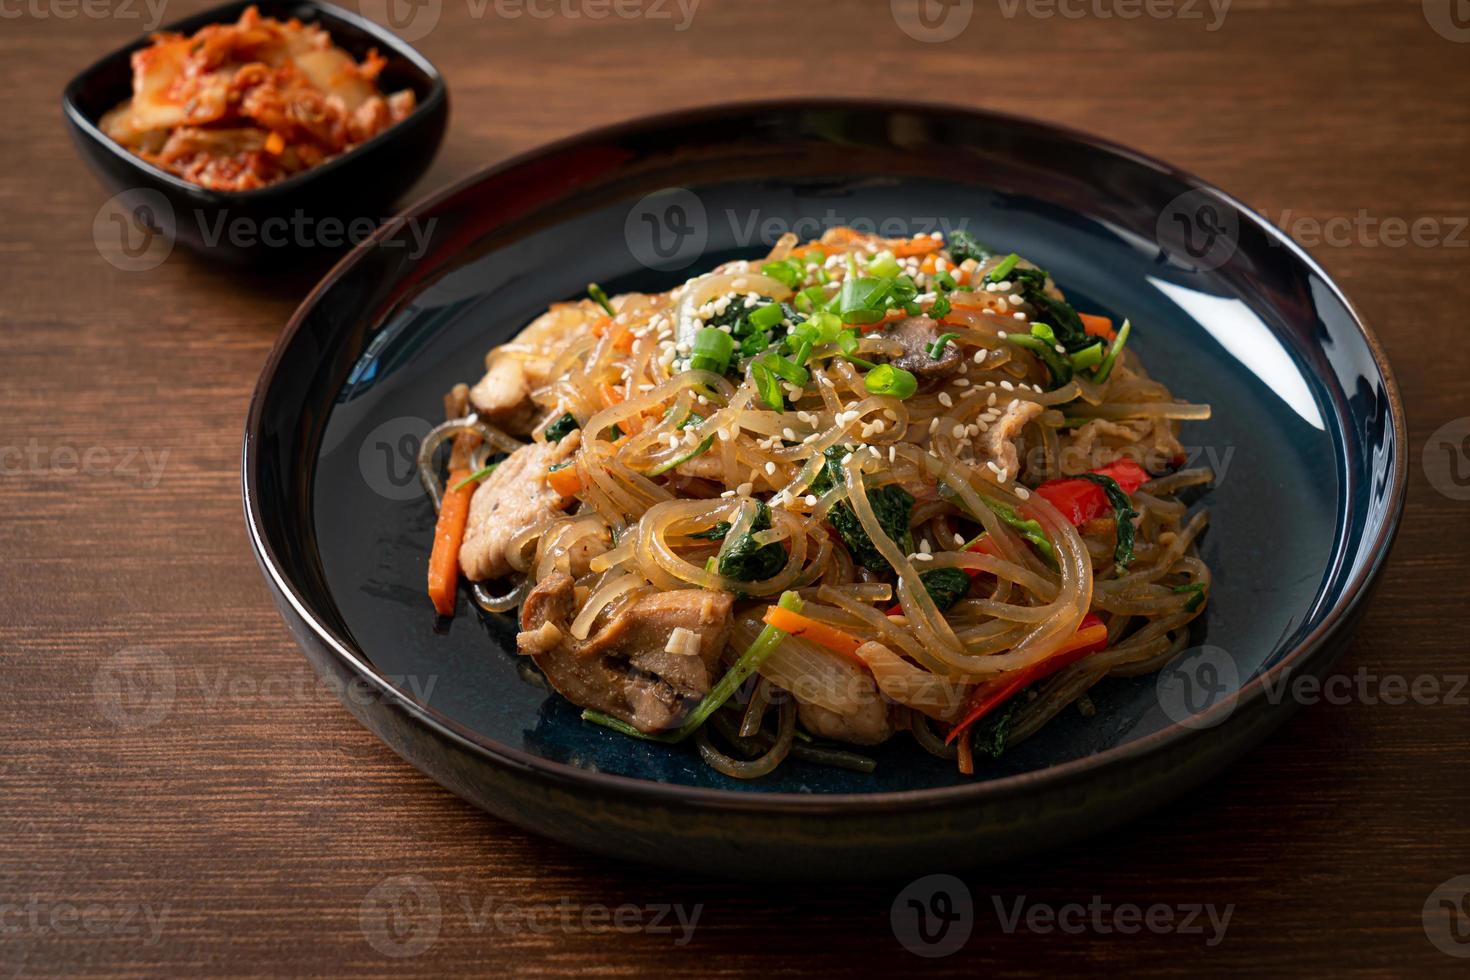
<point>258,131</point>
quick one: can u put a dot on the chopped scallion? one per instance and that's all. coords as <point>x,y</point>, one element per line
<point>712,350</point>
<point>600,297</point>
<point>885,379</point>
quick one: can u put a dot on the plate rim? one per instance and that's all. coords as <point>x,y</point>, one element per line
<point>1170,737</point>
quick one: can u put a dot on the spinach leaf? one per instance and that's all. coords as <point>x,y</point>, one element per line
<point>946,586</point>
<point>962,245</point>
<point>715,533</point>
<point>991,735</point>
<point>1125,514</point>
<point>561,428</point>
<point>891,504</point>
<point>746,561</point>
<point>1031,286</point>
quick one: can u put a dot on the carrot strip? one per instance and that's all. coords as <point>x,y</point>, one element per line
<point>916,246</point>
<point>600,326</point>
<point>624,342</point>
<point>454,513</point>
<point>275,144</point>
<point>819,633</point>
<point>564,481</point>
<point>1098,326</point>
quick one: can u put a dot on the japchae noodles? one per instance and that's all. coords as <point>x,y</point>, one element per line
<point>859,486</point>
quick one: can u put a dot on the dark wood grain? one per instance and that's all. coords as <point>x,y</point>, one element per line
<point>257,822</point>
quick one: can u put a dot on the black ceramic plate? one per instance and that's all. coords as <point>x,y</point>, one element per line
<point>1307,437</point>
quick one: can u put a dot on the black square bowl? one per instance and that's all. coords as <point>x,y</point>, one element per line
<point>316,211</point>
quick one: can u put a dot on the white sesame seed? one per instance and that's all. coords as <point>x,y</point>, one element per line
<point>1001,334</point>
<point>945,400</point>
<point>811,500</point>
<point>959,539</point>
<point>770,468</point>
<point>1022,492</point>
<point>1008,386</point>
<point>958,431</point>
<point>1019,315</point>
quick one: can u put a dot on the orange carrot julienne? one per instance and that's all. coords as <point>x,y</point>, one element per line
<point>454,513</point>
<point>564,481</point>
<point>600,326</point>
<point>819,633</point>
<point>916,246</point>
<point>624,343</point>
<point>275,145</point>
<point>1098,326</point>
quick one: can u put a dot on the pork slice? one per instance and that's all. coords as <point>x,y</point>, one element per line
<point>870,724</point>
<point>513,498</point>
<point>503,396</point>
<point>622,669</point>
<point>999,442</point>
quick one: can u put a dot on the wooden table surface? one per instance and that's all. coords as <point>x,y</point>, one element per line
<point>256,829</point>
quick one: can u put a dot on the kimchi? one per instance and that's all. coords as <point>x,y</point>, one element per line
<point>240,106</point>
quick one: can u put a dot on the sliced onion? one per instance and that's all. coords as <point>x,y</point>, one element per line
<point>599,600</point>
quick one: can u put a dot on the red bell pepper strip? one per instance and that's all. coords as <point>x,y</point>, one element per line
<point>1090,637</point>
<point>1082,500</point>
